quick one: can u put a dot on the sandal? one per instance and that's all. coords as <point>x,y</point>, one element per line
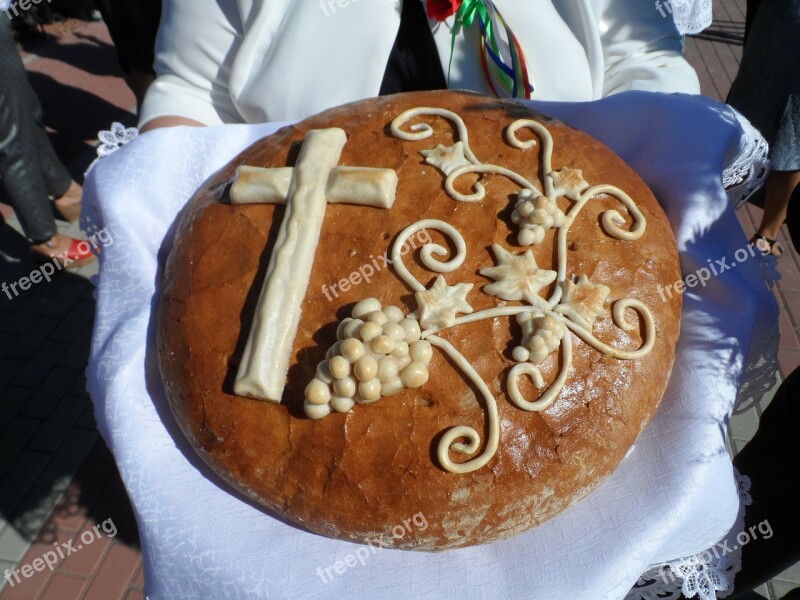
<point>766,245</point>
<point>78,254</point>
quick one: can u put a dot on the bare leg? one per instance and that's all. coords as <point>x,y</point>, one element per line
<point>69,204</point>
<point>780,185</point>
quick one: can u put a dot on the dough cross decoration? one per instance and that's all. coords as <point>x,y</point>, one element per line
<point>306,189</point>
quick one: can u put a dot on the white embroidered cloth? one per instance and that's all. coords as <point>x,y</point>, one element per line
<point>674,495</point>
<point>691,16</point>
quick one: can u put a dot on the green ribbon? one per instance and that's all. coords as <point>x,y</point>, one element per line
<point>467,12</point>
<point>465,17</point>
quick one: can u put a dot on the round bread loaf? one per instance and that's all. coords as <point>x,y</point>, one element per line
<point>563,238</point>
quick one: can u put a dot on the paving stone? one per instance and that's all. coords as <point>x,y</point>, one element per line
<point>19,478</point>
<point>744,425</point>
<point>138,581</point>
<point>11,401</point>
<point>736,447</point>
<point>64,587</point>
<point>13,295</point>
<point>28,587</point>
<point>789,359</point>
<point>87,420</point>
<point>32,374</point>
<point>86,559</point>
<point>69,513</point>
<point>781,588</point>
<point>77,354</point>
<point>766,399</point>
<point>791,575</point>
<point>25,313</point>
<point>58,424</point>
<point>13,545</point>
<point>6,341</point>
<point>78,387</point>
<point>790,281</point>
<point>27,346</point>
<point>54,288</point>
<point>135,594</point>
<point>14,439</point>
<point>788,336</point>
<point>69,456</point>
<point>6,565</point>
<point>72,292</point>
<point>75,323</point>
<point>45,398</point>
<point>34,511</point>
<point>115,574</point>
<point>8,370</point>
<point>762,591</point>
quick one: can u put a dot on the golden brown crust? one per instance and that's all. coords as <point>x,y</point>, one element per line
<point>359,474</point>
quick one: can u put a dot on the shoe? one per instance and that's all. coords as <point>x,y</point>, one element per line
<point>766,245</point>
<point>78,254</point>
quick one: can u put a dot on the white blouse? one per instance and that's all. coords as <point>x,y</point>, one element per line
<point>234,61</point>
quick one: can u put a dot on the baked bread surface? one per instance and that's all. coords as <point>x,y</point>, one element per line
<point>360,474</point>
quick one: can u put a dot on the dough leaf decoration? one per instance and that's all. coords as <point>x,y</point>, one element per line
<point>517,277</point>
<point>584,301</point>
<point>380,350</point>
<point>439,305</point>
<point>446,158</point>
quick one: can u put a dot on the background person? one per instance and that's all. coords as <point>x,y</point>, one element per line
<point>224,61</point>
<point>133,25</point>
<point>30,172</point>
<point>767,92</point>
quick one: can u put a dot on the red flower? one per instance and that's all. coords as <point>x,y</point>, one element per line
<point>441,9</point>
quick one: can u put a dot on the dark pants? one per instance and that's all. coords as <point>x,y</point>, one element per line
<point>30,171</point>
<point>133,25</point>
<point>772,461</point>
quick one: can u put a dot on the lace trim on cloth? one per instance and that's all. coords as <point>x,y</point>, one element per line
<point>691,16</point>
<point>743,176</point>
<point>748,171</point>
<point>112,140</point>
<point>708,575</point>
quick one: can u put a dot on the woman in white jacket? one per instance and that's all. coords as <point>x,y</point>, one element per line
<point>234,61</point>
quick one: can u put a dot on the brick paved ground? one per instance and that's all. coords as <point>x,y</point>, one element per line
<point>57,479</point>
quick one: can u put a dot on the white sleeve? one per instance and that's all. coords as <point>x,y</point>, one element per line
<point>194,49</point>
<point>642,49</point>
